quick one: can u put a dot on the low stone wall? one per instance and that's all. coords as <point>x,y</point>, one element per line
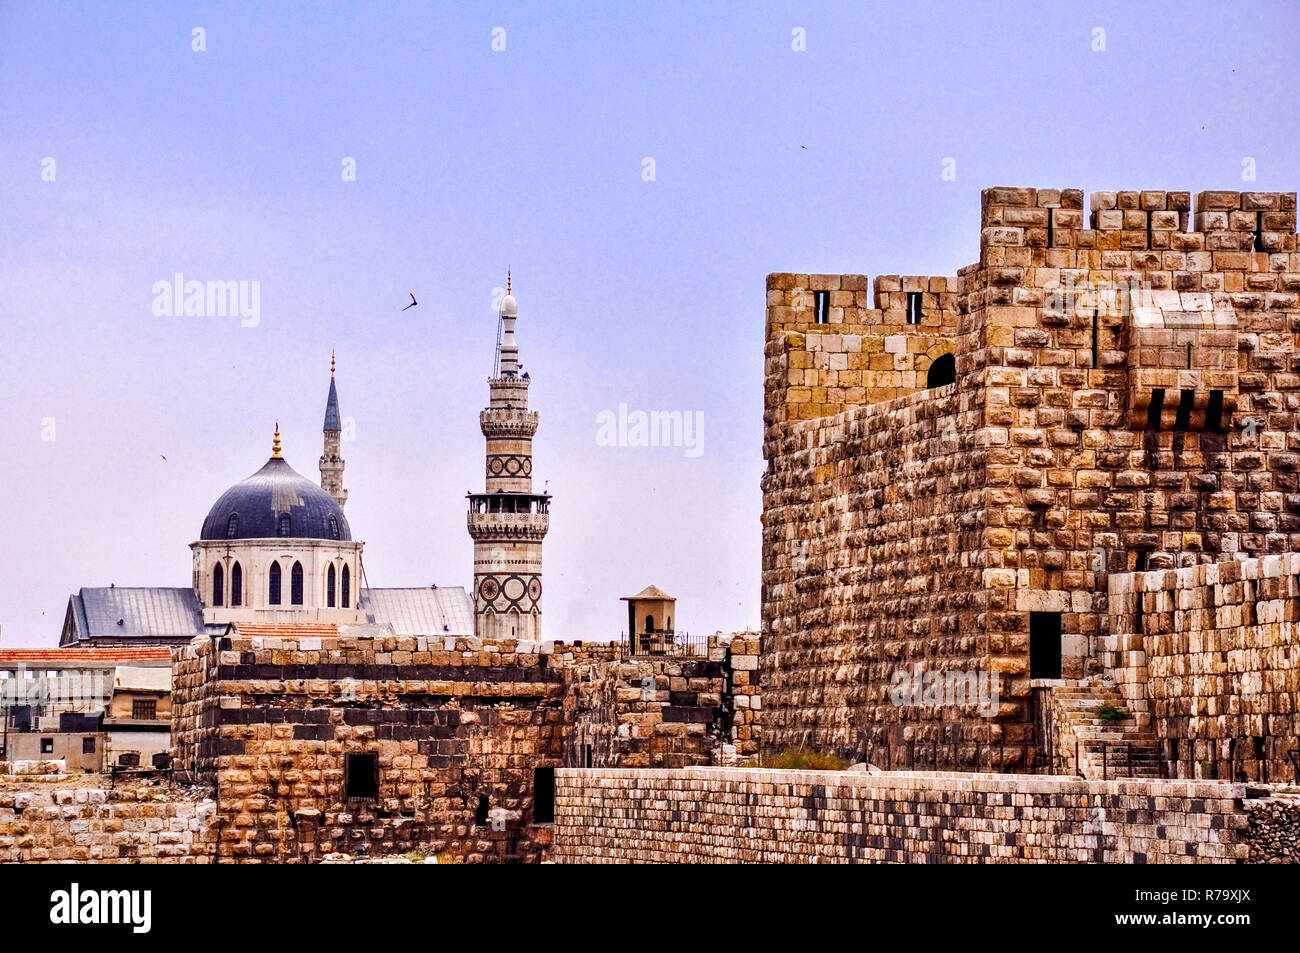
<point>696,815</point>
<point>55,823</point>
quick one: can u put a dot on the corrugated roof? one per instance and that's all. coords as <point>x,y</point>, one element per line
<point>152,612</point>
<point>442,611</point>
<point>650,592</point>
<point>74,655</point>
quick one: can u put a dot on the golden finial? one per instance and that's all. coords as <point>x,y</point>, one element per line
<point>507,281</point>
<point>331,363</point>
<point>275,444</point>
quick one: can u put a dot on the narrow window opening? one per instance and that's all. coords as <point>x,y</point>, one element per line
<point>286,525</point>
<point>236,585</point>
<point>334,527</point>
<point>87,745</point>
<point>361,777</point>
<point>914,307</point>
<point>481,814</point>
<point>346,600</point>
<point>1184,418</point>
<point>1259,231</point>
<point>1137,615</point>
<point>218,585</point>
<point>1149,214</point>
<point>544,796</point>
<point>1189,355</point>
<point>1044,645</point>
<point>1050,215</point>
<point>232,526</point>
<point>295,584</point>
<point>822,304</point>
<point>1096,340</point>
<point>273,588</point>
<point>329,587</point>
<point>1214,411</point>
<point>942,371</point>
<point>1155,408</point>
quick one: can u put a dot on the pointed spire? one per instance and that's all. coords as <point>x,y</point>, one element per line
<point>333,420</point>
<point>275,443</point>
<point>507,280</point>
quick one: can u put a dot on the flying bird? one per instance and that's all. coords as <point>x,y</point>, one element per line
<point>164,458</point>
<point>413,302</point>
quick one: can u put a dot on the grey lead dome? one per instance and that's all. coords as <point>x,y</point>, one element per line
<point>259,503</point>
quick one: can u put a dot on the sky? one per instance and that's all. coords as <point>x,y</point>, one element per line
<point>640,168</point>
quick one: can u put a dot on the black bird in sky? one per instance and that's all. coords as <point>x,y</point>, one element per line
<point>413,302</point>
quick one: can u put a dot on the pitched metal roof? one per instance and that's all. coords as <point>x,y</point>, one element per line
<point>440,611</point>
<point>651,592</point>
<point>252,508</point>
<point>125,612</point>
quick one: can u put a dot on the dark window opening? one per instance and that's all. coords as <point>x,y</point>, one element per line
<point>334,527</point>
<point>1156,408</point>
<point>587,760</point>
<point>1184,418</point>
<point>1214,411</point>
<point>914,307</point>
<point>1140,560</point>
<point>144,709</point>
<point>942,371</point>
<point>87,745</point>
<point>481,813</point>
<point>232,526</point>
<point>1050,223</point>
<point>822,306</point>
<point>1149,214</point>
<point>1138,611</point>
<point>295,584</point>
<point>361,777</point>
<point>329,587</point>
<point>218,585</point>
<point>1259,231</point>
<point>47,746</point>
<point>286,525</point>
<point>544,796</point>
<point>346,600</point>
<point>236,585</point>
<point>1096,341</point>
<point>273,589</point>
<point>649,623</point>
<point>1044,645</point>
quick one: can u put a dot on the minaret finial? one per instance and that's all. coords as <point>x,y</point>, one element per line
<point>507,280</point>
<point>275,443</point>
<point>331,363</point>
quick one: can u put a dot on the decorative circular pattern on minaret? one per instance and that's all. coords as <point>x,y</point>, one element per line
<point>514,588</point>
<point>489,588</point>
<point>522,592</point>
<point>535,588</point>
<point>509,464</point>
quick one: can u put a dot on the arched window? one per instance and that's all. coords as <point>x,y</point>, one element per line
<point>649,623</point>
<point>295,584</point>
<point>232,526</point>
<point>218,585</point>
<point>329,587</point>
<point>346,601</point>
<point>274,588</point>
<point>942,371</point>
<point>286,525</point>
<point>334,527</point>
<point>236,585</point>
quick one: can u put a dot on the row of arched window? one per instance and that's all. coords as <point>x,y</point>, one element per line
<point>284,526</point>
<point>338,586</point>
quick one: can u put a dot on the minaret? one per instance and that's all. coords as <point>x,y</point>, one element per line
<point>331,461</point>
<point>508,520</point>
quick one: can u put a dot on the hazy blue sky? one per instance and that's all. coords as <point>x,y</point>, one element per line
<point>226,164</point>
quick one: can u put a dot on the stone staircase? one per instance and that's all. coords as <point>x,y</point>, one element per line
<point>1124,750</point>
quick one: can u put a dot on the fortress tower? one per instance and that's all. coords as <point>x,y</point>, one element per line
<point>508,520</point>
<point>331,461</point>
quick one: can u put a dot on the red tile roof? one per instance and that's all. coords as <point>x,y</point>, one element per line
<point>288,630</point>
<point>64,656</point>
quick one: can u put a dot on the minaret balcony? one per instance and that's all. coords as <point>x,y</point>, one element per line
<point>507,525</point>
<point>502,422</point>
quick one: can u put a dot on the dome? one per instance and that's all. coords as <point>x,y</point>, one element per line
<point>508,307</point>
<point>256,508</point>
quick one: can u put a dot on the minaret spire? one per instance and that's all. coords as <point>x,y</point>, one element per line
<point>508,521</point>
<point>331,461</point>
<point>275,443</point>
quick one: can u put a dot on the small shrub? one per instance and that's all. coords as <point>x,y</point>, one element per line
<point>805,761</point>
<point>1111,714</point>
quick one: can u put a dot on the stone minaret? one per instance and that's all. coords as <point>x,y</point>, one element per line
<point>331,461</point>
<point>508,520</point>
